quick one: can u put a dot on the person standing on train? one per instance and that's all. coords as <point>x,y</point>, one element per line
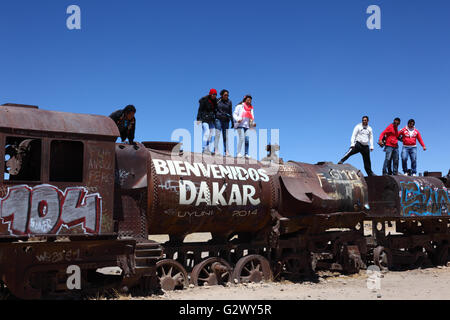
<point>360,142</point>
<point>390,166</point>
<point>222,122</point>
<point>206,116</point>
<point>244,119</point>
<point>409,136</point>
<point>126,122</point>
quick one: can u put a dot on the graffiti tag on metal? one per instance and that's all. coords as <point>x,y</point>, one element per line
<point>212,194</point>
<point>418,200</point>
<point>45,209</point>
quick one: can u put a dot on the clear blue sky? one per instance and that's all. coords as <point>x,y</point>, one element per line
<point>313,67</point>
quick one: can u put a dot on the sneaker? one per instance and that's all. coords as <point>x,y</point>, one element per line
<point>340,162</point>
<point>239,155</point>
<point>247,156</point>
<point>414,175</point>
<point>207,151</point>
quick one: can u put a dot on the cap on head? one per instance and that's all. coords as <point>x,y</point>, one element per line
<point>212,91</point>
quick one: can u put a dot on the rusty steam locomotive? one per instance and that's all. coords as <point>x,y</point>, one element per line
<point>70,195</point>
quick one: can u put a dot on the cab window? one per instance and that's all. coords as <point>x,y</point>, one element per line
<point>22,159</point>
<point>66,161</point>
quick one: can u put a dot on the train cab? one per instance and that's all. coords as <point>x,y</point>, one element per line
<point>56,202</point>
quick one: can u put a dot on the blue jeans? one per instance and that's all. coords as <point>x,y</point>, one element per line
<point>243,132</point>
<point>412,153</point>
<point>207,135</point>
<point>391,158</point>
<point>222,126</point>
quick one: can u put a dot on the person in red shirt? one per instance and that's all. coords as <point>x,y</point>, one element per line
<point>391,133</point>
<point>409,136</point>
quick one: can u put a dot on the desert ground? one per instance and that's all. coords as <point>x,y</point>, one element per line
<point>417,284</point>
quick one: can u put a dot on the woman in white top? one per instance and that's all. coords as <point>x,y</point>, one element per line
<point>244,119</point>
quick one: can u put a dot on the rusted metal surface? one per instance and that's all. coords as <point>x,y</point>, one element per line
<point>323,188</point>
<point>252,268</point>
<point>15,119</point>
<point>211,271</point>
<point>58,183</point>
<point>77,202</point>
<point>189,193</point>
<point>40,268</point>
<point>172,275</point>
<point>131,180</point>
<point>407,197</point>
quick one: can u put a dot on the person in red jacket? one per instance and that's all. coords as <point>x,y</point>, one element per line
<point>409,136</point>
<point>391,148</point>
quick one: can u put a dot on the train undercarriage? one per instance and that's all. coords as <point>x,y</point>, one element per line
<point>387,244</point>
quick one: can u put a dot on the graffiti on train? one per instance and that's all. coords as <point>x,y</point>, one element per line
<point>419,200</point>
<point>45,209</point>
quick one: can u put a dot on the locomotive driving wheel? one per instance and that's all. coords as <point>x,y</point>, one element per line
<point>294,267</point>
<point>211,271</point>
<point>382,257</point>
<point>171,275</point>
<point>252,268</point>
<point>442,255</point>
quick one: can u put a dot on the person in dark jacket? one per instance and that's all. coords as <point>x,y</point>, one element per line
<point>126,122</point>
<point>206,116</point>
<point>224,115</point>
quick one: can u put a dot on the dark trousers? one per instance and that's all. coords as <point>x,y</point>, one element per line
<point>365,152</point>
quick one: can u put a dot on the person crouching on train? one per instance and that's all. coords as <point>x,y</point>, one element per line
<point>244,119</point>
<point>126,123</point>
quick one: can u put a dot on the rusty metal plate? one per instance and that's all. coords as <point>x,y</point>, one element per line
<point>19,118</point>
<point>321,188</point>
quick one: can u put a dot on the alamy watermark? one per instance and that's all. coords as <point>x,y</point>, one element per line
<point>374,278</point>
<point>74,279</point>
<point>263,146</point>
<point>374,20</point>
<point>73,22</point>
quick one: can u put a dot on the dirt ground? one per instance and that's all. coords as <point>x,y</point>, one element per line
<point>418,284</point>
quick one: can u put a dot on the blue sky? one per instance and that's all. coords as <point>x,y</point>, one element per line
<point>312,67</point>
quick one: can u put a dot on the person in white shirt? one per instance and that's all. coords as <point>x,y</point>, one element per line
<point>244,119</point>
<point>361,141</point>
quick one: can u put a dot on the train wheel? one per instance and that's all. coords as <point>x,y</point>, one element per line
<point>252,268</point>
<point>442,255</point>
<point>211,271</point>
<point>382,257</point>
<point>295,267</point>
<point>171,275</point>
